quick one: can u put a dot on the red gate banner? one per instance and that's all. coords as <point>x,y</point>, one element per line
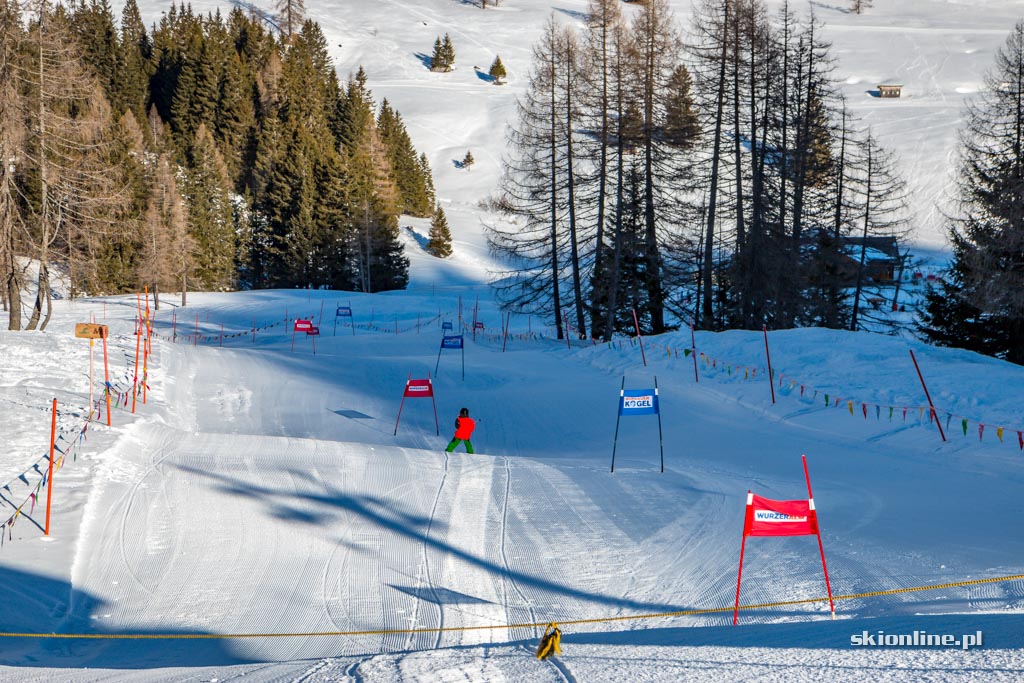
<point>303,325</point>
<point>419,388</point>
<point>766,517</point>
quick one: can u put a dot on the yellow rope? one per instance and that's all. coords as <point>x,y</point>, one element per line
<point>449,629</point>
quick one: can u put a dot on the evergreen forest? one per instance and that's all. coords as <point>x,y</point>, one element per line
<point>207,153</point>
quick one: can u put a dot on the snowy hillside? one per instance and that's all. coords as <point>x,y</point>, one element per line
<point>937,50</point>
<point>264,515</point>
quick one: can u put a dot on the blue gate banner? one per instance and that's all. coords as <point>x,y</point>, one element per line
<point>638,402</point>
<point>343,312</point>
<point>454,342</point>
<point>446,326</point>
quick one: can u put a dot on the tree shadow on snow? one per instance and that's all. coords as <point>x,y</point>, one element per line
<point>387,514</point>
<point>426,60</point>
<point>484,76</point>
<point>33,603</point>
<point>420,239</point>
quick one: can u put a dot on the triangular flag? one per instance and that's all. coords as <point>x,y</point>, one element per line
<point>963,424</point>
<point>904,413</point>
<point>1020,440</point>
<point>999,433</point>
<point>890,413</point>
<point>801,391</point>
<point>850,405</point>
<point>981,431</point>
<point>878,412</point>
<point>920,415</point>
<point>826,401</point>
<point>864,409</point>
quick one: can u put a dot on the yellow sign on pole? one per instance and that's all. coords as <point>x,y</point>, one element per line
<point>90,331</point>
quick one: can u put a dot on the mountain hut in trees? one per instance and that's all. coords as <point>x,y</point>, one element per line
<point>881,258</point>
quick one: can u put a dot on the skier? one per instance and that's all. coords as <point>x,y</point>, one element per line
<point>464,426</point>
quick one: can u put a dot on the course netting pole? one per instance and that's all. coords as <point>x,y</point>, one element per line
<point>106,373</point>
<point>636,324</point>
<point>147,349</point>
<point>771,382</point>
<point>934,416</point>
<point>821,548</point>
<point>254,330</point>
<point>504,339</point>
<point>618,417</point>
<point>195,340</point>
<point>565,326</point>
<point>49,478</point>
<point>693,351</point>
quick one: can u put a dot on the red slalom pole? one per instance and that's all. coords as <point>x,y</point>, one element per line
<point>821,548</point>
<point>931,405</point>
<point>49,478</point>
<point>693,351</point>
<point>743,545</point>
<point>135,371</point>
<point>764,328</point>
<point>636,323</point>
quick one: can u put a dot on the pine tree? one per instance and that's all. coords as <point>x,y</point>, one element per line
<point>414,197</point>
<point>207,189</point>
<point>290,17</point>
<point>437,57</point>
<point>134,62</point>
<point>447,53</point>
<point>440,244</point>
<point>980,304</point>
<point>468,160</point>
<point>497,70</point>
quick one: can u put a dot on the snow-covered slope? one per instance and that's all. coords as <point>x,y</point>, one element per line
<point>265,491</point>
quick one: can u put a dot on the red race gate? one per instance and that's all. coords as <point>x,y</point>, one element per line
<point>418,388</point>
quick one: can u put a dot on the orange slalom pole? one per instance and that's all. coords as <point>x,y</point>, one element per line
<point>49,478</point>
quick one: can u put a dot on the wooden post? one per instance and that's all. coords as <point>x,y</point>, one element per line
<point>49,478</point>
